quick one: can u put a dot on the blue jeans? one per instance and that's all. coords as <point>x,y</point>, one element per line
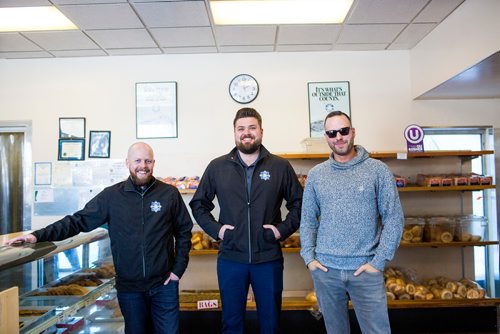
<point>367,293</point>
<point>267,285</point>
<point>154,311</point>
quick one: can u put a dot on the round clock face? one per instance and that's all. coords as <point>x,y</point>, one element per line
<point>243,88</point>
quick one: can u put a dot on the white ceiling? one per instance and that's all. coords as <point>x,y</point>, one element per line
<point>148,27</point>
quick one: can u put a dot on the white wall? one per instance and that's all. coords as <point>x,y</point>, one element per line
<point>102,90</point>
<point>467,36</point>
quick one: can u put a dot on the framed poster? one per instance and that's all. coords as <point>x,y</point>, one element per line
<point>71,149</point>
<point>156,109</point>
<point>99,144</point>
<point>43,173</point>
<point>325,97</point>
<point>71,127</point>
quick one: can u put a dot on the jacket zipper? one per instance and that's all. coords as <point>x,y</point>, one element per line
<point>143,241</point>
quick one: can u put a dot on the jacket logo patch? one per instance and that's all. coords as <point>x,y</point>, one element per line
<point>155,206</point>
<point>265,175</point>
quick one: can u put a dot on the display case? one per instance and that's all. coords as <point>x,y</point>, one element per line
<point>57,280</point>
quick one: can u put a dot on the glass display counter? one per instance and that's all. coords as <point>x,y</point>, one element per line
<point>57,280</point>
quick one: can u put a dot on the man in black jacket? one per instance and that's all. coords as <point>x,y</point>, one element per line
<point>250,184</point>
<point>150,232</point>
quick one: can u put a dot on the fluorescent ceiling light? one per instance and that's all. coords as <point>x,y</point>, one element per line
<point>279,11</point>
<point>33,19</point>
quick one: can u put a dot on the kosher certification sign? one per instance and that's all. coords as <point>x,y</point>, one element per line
<point>414,136</point>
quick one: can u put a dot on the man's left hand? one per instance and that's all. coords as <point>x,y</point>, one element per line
<point>172,277</point>
<point>273,228</point>
<point>366,267</point>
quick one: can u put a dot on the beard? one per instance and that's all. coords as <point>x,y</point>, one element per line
<point>343,151</point>
<point>140,179</point>
<point>248,148</point>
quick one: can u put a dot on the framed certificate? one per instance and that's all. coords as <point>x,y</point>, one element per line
<point>72,127</point>
<point>71,149</point>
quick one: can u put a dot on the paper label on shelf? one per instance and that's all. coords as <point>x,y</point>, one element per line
<point>402,155</point>
<point>207,304</point>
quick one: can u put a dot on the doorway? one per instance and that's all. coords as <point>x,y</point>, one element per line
<point>15,176</point>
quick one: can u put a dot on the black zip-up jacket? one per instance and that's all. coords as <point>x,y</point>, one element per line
<point>273,180</point>
<point>150,231</point>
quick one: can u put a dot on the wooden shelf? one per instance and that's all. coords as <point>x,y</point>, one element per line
<point>393,155</point>
<point>187,191</point>
<point>448,188</point>
<point>402,245</point>
<point>300,303</point>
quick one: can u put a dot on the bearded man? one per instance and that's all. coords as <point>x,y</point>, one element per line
<point>150,232</point>
<point>250,184</point>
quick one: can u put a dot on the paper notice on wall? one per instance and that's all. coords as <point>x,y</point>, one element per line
<point>44,195</point>
<point>82,174</point>
<point>62,175</point>
<point>85,195</point>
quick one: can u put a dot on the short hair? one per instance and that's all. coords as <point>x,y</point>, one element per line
<point>336,113</point>
<point>247,112</point>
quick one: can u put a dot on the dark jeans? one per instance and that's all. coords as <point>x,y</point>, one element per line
<point>154,311</point>
<point>267,285</point>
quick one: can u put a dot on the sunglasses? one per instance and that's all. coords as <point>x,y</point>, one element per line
<point>343,132</point>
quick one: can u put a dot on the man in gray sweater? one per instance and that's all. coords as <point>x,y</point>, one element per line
<point>350,227</point>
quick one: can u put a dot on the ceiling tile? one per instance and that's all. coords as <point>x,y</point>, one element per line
<point>245,35</point>
<point>173,14</point>
<point>437,10</point>
<point>307,34</point>
<point>359,47</point>
<point>134,52</point>
<point>413,34</point>
<point>308,47</point>
<point>85,2</point>
<point>246,48</point>
<point>385,11</point>
<point>108,16</point>
<point>15,42</point>
<point>122,38</point>
<point>172,37</point>
<point>24,55</point>
<point>24,3</point>
<point>79,53</point>
<point>370,33</point>
<point>61,40</point>
<point>200,49</point>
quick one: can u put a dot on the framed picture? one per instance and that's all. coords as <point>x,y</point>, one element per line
<point>325,97</point>
<point>156,109</point>
<point>72,127</point>
<point>43,173</point>
<point>71,149</point>
<point>99,144</point>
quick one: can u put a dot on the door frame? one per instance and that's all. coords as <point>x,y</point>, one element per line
<point>24,127</point>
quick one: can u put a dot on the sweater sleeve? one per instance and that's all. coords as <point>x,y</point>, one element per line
<point>392,218</point>
<point>93,215</point>
<point>182,234</point>
<point>202,205</point>
<point>309,222</point>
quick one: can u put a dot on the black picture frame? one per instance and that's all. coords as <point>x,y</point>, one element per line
<point>71,149</point>
<point>72,128</point>
<point>99,144</point>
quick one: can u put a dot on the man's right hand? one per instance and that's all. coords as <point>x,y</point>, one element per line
<point>315,265</point>
<point>223,230</point>
<point>29,238</point>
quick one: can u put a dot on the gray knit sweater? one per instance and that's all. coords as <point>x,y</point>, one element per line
<point>351,213</point>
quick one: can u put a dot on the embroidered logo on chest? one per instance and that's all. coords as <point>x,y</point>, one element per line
<point>265,175</point>
<point>155,206</point>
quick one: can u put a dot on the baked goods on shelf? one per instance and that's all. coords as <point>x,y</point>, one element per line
<point>201,240</point>
<point>413,230</point>
<point>292,241</point>
<point>105,270</point>
<point>62,290</point>
<point>400,285</point>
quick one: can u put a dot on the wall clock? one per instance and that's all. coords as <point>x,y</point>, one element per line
<point>243,88</point>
